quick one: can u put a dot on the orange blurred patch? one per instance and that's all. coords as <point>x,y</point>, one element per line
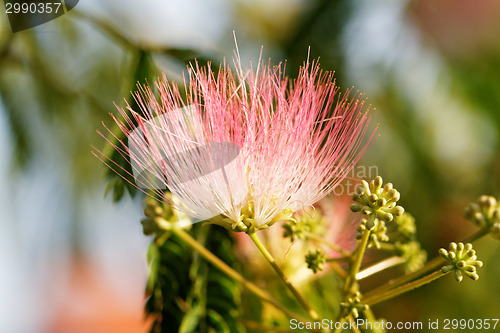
<point>90,304</point>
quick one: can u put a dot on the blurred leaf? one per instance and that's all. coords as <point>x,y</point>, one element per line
<point>13,110</point>
<point>321,30</point>
<point>188,294</point>
<point>217,322</point>
<point>325,293</point>
<point>217,293</point>
<point>189,56</point>
<point>168,284</point>
<point>190,321</point>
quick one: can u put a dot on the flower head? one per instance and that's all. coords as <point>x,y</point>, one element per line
<point>462,259</point>
<point>485,213</point>
<point>244,150</point>
<point>373,199</point>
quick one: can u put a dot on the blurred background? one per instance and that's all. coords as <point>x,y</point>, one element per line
<point>73,261</point>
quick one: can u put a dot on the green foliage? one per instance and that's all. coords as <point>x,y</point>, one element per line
<point>13,111</point>
<point>187,294</point>
<point>319,28</point>
<point>325,292</point>
<point>168,284</point>
<point>190,57</point>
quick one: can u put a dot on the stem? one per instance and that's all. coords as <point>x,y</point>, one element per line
<point>291,287</point>
<point>474,237</point>
<point>387,247</point>
<point>333,246</point>
<point>355,328</point>
<point>371,318</point>
<point>404,288</point>
<point>380,266</point>
<point>357,257</point>
<point>214,260</point>
<point>341,259</point>
<point>431,265</point>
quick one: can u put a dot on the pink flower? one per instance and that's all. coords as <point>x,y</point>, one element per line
<point>244,150</point>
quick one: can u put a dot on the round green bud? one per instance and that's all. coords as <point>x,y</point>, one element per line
<point>398,210</point>
<point>355,208</point>
<point>487,202</point>
<point>381,202</point>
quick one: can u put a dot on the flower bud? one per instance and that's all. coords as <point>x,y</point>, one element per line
<point>315,260</point>
<point>371,198</point>
<point>355,208</point>
<point>462,259</point>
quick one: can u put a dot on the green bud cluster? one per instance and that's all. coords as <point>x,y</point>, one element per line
<point>405,226</point>
<point>302,224</point>
<point>153,210</point>
<point>353,305</point>
<point>412,254</point>
<point>315,260</point>
<point>373,199</point>
<point>160,217</point>
<point>378,232</point>
<point>462,259</point>
<point>379,203</point>
<point>485,213</point>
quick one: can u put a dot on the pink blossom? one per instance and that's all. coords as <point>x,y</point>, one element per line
<point>251,148</point>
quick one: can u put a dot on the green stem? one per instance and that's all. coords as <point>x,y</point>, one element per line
<point>474,237</point>
<point>355,328</point>
<point>341,259</point>
<point>291,287</point>
<point>214,260</point>
<point>333,246</point>
<point>357,258</point>
<point>371,318</point>
<point>430,266</point>
<point>375,299</point>
<point>387,247</point>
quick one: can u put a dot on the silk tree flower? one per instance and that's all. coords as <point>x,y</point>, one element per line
<point>247,149</point>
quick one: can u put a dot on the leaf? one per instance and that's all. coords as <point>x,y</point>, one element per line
<point>191,321</point>
<point>168,284</point>
<point>153,259</point>
<point>220,295</point>
<point>190,57</point>
<point>188,293</point>
<point>217,322</point>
